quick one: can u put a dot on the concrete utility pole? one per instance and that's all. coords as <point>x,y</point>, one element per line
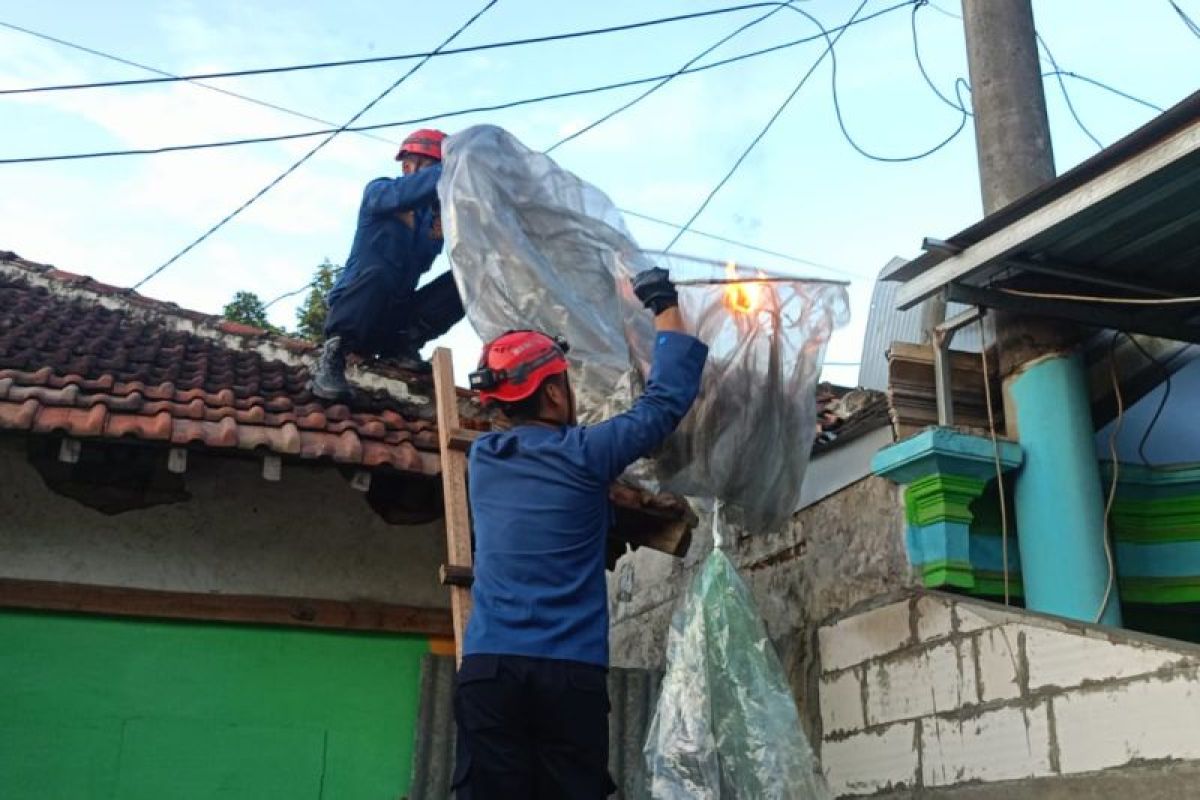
<point>1059,503</point>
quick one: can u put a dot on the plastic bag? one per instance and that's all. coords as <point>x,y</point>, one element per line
<point>748,438</point>
<point>533,246</point>
<point>726,724</point>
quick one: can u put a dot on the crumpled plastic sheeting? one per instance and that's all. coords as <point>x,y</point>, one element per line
<point>748,438</point>
<point>533,246</point>
<point>726,724</point>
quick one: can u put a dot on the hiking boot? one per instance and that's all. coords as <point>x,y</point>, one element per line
<point>329,381</point>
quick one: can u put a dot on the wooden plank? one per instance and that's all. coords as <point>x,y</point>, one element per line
<point>454,575</point>
<point>461,439</point>
<point>295,612</point>
<point>454,489</point>
<point>1012,238</point>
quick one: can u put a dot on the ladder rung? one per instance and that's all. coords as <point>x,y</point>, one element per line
<point>454,575</point>
<point>460,439</point>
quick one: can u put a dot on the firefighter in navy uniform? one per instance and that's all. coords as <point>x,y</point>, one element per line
<point>375,308</point>
<point>531,696</point>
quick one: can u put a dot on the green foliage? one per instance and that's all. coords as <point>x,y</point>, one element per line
<point>247,308</point>
<point>310,316</point>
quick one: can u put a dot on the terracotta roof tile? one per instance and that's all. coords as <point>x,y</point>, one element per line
<point>89,360</point>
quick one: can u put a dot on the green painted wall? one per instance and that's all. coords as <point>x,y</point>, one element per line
<point>94,707</point>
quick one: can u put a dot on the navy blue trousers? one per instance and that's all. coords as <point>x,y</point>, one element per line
<point>531,728</point>
<point>381,312</point>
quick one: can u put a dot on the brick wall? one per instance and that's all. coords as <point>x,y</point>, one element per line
<point>933,691</point>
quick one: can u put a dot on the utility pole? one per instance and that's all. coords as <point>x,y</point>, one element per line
<point>1059,503</point>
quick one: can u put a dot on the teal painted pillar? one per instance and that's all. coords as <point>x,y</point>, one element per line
<point>944,471</point>
<point>1058,494</point>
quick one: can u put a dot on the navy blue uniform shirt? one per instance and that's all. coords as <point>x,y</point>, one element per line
<point>541,516</point>
<point>397,228</point>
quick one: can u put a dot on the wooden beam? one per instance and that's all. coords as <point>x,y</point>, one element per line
<point>461,439</point>
<point>454,489</point>
<point>293,612</point>
<point>177,460</point>
<point>452,575</point>
<point>272,467</point>
<point>1014,237</point>
<point>69,450</point>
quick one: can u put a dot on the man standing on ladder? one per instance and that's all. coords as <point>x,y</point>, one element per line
<point>531,697</point>
<point>375,308</point>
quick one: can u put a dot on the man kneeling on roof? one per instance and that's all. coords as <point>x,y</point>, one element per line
<point>531,696</point>
<point>375,308</point>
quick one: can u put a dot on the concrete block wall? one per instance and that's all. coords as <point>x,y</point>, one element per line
<point>930,691</point>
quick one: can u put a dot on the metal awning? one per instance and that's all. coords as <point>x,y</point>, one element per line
<point>1123,224</point>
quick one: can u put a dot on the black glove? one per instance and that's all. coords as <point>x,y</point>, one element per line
<point>654,288</point>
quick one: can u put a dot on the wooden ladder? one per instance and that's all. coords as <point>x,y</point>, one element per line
<point>454,442</point>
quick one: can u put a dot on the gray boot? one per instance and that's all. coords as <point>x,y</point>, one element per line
<point>329,381</point>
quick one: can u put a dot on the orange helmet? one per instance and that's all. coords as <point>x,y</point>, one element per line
<point>425,142</point>
<point>514,365</point>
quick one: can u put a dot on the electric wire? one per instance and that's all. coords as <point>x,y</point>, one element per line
<point>1091,298</point>
<point>1057,71</point>
<point>1162,401</point>
<point>1112,488</point>
<point>315,149</point>
<point>770,122</point>
<point>167,77</point>
<point>227,92</point>
<point>1102,85</point>
<point>958,82</point>
<point>1191,25</point>
<point>746,246</point>
<point>837,109</point>
<point>441,115</point>
<point>991,417</point>
<point>1064,72</point>
<point>619,109</point>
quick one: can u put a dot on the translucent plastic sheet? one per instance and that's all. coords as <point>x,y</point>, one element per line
<point>533,246</point>
<point>726,724</point>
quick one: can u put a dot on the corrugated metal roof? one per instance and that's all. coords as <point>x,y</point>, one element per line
<point>1126,222</point>
<point>1156,130</point>
<point>887,324</point>
<point>633,693</point>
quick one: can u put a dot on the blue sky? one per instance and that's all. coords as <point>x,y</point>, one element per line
<point>803,191</point>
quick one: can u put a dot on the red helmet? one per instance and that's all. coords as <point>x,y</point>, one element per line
<point>514,365</point>
<point>425,142</point>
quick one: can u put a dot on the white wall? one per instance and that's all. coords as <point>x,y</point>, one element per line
<point>308,535</point>
<point>932,691</point>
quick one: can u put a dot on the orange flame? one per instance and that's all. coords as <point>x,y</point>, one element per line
<point>743,297</point>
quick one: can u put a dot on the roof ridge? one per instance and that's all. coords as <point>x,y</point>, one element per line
<point>233,335</point>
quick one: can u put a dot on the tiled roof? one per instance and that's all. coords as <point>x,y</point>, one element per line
<point>844,414</point>
<point>95,361</point>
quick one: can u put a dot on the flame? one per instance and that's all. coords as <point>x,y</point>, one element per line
<point>743,297</point>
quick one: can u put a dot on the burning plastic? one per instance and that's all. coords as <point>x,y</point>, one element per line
<point>532,245</point>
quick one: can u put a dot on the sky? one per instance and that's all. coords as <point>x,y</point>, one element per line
<point>803,190</point>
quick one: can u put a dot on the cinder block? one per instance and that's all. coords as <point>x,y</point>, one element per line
<point>1005,744</point>
<point>841,703</point>
<point>1101,728</point>
<point>871,762</point>
<point>872,633</point>
<point>941,678</point>
<point>1065,659</point>
<point>999,660</point>
<point>934,620</point>
<point>970,620</point>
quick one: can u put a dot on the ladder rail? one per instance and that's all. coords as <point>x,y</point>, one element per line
<point>453,444</point>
